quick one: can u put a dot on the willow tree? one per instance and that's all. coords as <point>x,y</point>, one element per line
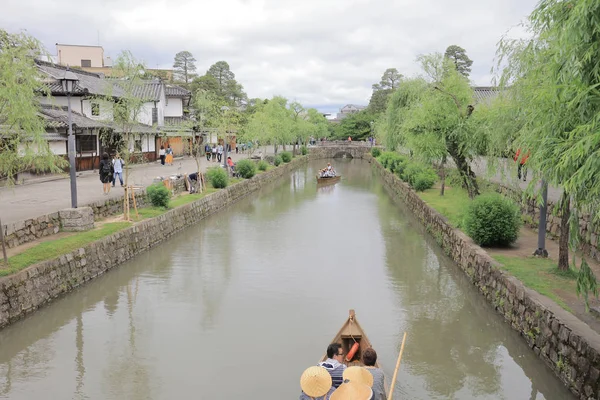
<point>555,77</point>
<point>438,126</point>
<point>272,124</point>
<point>23,145</point>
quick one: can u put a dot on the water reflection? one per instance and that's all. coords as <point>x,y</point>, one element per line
<point>458,345</point>
<point>275,272</point>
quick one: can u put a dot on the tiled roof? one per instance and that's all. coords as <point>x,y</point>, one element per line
<point>484,94</point>
<point>58,116</point>
<point>176,91</point>
<point>89,82</point>
<point>145,90</point>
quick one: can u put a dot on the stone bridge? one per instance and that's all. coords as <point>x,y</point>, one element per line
<point>340,149</point>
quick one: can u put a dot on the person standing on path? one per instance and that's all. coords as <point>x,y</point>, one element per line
<point>219,153</point>
<point>106,173</point>
<point>214,153</point>
<point>169,155</point>
<point>208,151</point>
<point>161,154</point>
<point>118,169</point>
<point>521,166</point>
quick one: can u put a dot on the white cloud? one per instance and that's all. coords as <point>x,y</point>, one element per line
<point>324,53</point>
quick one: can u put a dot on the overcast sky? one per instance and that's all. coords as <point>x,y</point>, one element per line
<point>323,53</point>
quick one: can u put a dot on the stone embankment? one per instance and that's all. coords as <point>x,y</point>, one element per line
<point>567,345</point>
<point>24,292</point>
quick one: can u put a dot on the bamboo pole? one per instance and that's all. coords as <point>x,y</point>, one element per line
<point>134,203</point>
<point>397,367</point>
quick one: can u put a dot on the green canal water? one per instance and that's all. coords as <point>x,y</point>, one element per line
<point>237,306</point>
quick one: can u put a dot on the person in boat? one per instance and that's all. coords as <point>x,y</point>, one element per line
<point>352,390</point>
<point>369,358</point>
<point>315,383</point>
<point>328,172</point>
<point>334,363</point>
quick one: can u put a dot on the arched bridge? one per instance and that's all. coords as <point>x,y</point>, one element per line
<point>340,149</point>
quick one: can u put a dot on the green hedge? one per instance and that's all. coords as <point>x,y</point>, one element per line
<point>493,220</point>
<point>159,195</point>
<point>246,168</point>
<point>419,176</point>
<point>286,156</point>
<point>218,177</point>
<point>263,165</point>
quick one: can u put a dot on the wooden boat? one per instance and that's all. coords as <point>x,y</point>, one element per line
<point>350,333</point>
<point>335,179</point>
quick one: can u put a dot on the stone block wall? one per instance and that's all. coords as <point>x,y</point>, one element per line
<point>31,288</point>
<point>588,231</point>
<point>21,232</point>
<point>568,346</point>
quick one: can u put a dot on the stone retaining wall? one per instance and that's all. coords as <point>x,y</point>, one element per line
<point>27,290</point>
<point>567,345</point>
<point>21,232</point>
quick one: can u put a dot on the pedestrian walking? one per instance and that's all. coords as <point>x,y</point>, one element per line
<point>208,151</point>
<point>118,164</point>
<point>214,153</point>
<point>162,155</point>
<point>169,155</point>
<point>106,173</point>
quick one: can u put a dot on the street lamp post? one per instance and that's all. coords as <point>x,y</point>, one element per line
<point>225,109</point>
<point>69,82</point>
<point>541,250</point>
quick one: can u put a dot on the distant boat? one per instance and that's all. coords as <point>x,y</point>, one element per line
<point>323,180</point>
<point>350,334</point>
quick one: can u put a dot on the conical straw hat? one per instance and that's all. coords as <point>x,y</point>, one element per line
<point>315,381</point>
<point>359,375</point>
<point>352,391</point>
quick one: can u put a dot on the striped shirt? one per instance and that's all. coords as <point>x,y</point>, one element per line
<point>335,369</point>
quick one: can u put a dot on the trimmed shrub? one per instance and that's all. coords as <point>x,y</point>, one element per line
<point>397,164</point>
<point>375,152</point>
<point>304,150</point>
<point>277,161</point>
<point>286,156</point>
<point>425,180</point>
<point>263,165</point>
<point>246,168</point>
<point>159,195</point>
<point>218,177</point>
<point>493,220</point>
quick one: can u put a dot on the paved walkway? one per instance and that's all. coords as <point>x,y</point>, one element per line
<point>35,199</point>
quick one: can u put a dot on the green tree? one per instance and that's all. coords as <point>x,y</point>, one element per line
<point>359,126</point>
<point>23,145</point>
<point>207,113</point>
<point>184,67</point>
<point>437,126</point>
<point>127,109</point>
<point>458,56</point>
<point>390,80</point>
<point>554,79</point>
<point>206,83</point>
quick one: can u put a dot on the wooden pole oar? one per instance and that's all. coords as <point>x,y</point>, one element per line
<point>397,367</point>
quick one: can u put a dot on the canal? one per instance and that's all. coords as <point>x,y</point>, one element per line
<point>240,304</point>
